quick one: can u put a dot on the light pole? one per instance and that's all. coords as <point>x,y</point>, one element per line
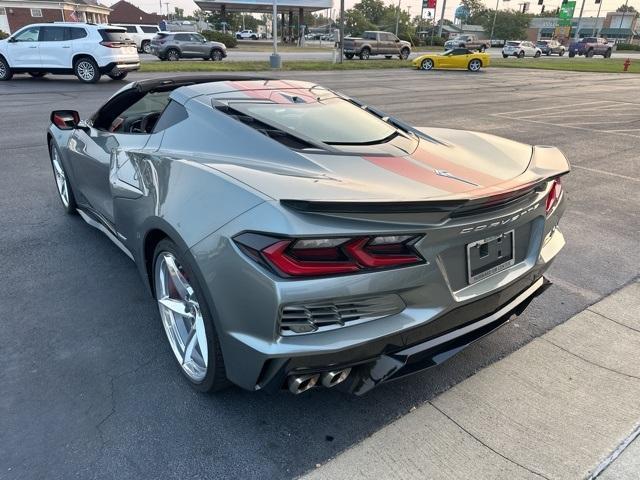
<point>595,26</point>
<point>341,30</point>
<point>398,17</point>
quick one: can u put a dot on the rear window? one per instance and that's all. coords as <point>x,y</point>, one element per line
<point>114,35</point>
<point>149,29</point>
<point>76,33</point>
<point>332,121</point>
<point>513,44</point>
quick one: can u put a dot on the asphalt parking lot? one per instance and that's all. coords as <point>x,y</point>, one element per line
<point>89,388</point>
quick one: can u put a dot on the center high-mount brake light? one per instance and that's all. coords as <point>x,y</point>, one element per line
<point>314,257</point>
<point>554,195</point>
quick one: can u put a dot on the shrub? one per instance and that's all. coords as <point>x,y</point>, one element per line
<point>3,35</point>
<point>213,36</point>
<point>627,46</point>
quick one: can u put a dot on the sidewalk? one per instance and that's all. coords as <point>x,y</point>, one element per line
<point>565,406</point>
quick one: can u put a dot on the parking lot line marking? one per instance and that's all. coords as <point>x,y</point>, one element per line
<point>604,172</point>
<point>562,125</point>
<point>622,129</point>
<point>556,107</point>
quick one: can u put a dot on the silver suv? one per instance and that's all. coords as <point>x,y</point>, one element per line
<point>176,45</point>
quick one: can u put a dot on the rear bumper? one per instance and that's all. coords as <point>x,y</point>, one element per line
<point>120,67</point>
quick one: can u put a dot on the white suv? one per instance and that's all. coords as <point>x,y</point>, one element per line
<point>246,34</point>
<point>81,49</point>
<point>520,49</point>
<point>142,35</point>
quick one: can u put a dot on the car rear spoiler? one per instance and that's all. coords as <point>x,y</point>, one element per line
<point>546,163</point>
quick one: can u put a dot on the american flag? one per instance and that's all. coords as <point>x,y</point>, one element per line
<point>73,17</point>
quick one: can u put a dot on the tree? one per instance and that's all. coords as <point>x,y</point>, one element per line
<point>179,13</point>
<point>373,10</point>
<point>509,24</point>
<point>356,22</point>
<point>626,8</point>
<point>476,9</point>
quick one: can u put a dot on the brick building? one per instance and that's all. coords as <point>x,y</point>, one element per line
<point>15,14</point>
<point>123,12</point>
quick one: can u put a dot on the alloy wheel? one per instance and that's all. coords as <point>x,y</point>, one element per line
<point>216,56</point>
<point>61,178</point>
<point>181,317</point>
<point>85,70</point>
<point>3,70</point>
<point>474,65</point>
<point>173,56</point>
<point>146,47</point>
<point>427,64</point>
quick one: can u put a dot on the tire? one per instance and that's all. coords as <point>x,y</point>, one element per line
<point>173,55</point>
<point>146,47</point>
<point>5,71</point>
<point>607,54</point>
<point>426,64</point>
<point>475,65</point>
<point>253,37</point>
<point>505,56</point>
<point>590,53</point>
<point>86,69</point>
<point>561,53</point>
<point>572,54</point>
<point>404,53</point>
<point>238,37</point>
<point>349,56</point>
<point>548,54</point>
<point>65,192</point>
<point>537,54</point>
<point>482,48</point>
<point>364,54</point>
<point>521,54</point>
<point>118,76</point>
<point>388,56</point>
<point>216,55</point>
<point>37,74</point>
<point>209,376</point>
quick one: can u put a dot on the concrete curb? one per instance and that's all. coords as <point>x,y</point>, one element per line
<point>564,406</point>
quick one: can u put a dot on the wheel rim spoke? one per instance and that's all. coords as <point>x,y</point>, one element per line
<point>182,317</point>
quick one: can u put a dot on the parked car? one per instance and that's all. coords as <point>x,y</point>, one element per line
<point>85,50</point>
<point>467,41</point>
<point>590,46</point>
<point>293,237</point>
<point>520,49</point>
<point>376,43</point>
<point>454,58</point>
<point>142,35</point>
<point>173,46</point>
<point>247,35</point>
<point>549,47</point>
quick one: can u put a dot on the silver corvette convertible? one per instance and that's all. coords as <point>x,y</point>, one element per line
<point>294,237</point>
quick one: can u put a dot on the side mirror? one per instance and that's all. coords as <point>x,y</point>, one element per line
<point>65,119</point>
<point>11,40</point>
<point>397,40</point>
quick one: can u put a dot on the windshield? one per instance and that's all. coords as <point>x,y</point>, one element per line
<point>513,44</point>
<point>333,121</point>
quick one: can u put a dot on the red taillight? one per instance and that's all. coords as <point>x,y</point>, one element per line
<point>554,195</point>
<point>313,257</point>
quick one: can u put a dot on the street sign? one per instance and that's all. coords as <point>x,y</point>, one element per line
<point>565,14</point>
<point>429,4</point>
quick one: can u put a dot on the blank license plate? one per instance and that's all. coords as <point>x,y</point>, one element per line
<point>490,256</point>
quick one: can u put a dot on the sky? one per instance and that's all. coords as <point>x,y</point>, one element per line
<point>590,7</point>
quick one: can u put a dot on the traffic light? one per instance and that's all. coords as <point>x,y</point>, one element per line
<point>540,2</point>
<point>598,1</point>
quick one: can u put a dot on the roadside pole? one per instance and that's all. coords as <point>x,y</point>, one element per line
<point>577,37</point>
<point>493,25</point>
<point>341,30</point>
<point>444,5</point>
<point>398,17</point>
<point>276,61</point>
<point>626,5</point>
<point>595,26</point>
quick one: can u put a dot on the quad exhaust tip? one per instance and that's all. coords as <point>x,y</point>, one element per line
<point>302,383</point>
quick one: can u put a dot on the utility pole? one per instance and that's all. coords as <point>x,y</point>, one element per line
<point>398,17</point>
<point>274,59</point>
<point>444,5</point>
<point>493,25</point>
<point>595,26</point>
<point>624,12</point>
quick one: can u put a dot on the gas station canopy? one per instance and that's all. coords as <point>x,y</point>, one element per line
<point>263,6</point>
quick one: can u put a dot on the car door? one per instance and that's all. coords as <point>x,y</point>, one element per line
<point>55,47</point>
<point>394,44</point>
<point>200,46</point>
<point>530,49</point>
<point>183,41</point>
<point>23,48</point>
<point>93,147</point>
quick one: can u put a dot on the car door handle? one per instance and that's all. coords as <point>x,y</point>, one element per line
<point>33,46</point>
<point>66,46</point>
